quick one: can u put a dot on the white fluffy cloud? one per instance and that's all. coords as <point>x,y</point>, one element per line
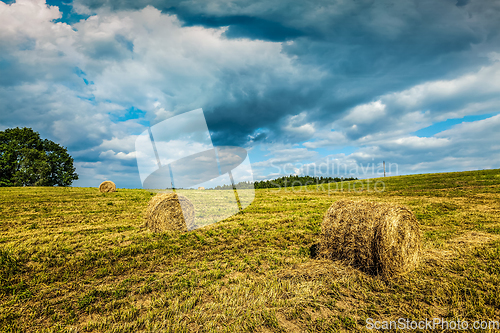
<point>156,64</point>
<point>383,129</point>
<point>95,85</point>
<point>409,110</point>
<point>396,115</point>
<point>72,83</point>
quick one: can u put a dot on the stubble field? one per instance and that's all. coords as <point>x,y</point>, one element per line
<point>76,260</point>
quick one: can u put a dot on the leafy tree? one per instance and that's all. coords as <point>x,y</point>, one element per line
<point>28,160</point>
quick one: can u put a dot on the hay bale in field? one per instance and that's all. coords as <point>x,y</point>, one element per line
<point>107,186</point>
<point>169,211</point>
<point>378,238</point>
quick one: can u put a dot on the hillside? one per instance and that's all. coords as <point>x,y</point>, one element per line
<point>73,259</point>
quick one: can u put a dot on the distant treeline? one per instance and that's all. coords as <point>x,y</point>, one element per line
<point>290,181</point>
<point>286,181</point>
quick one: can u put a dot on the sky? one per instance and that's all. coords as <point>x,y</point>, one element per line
<point>325,88</point>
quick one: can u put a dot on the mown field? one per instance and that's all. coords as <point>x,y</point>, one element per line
<point>76,260</point>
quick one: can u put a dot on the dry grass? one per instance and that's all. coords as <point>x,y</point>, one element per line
<point>76,260</point>
<point>169,212</point>
<point>107,186</point>
<point>379,238</point>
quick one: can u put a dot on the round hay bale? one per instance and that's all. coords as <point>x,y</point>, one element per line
<point>107,186</point>
<point>169,211</point>
<point>378,238</point>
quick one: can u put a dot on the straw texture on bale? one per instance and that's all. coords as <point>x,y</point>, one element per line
<point>378,238</point>
<point>107,186</point>
<point>169,211</point>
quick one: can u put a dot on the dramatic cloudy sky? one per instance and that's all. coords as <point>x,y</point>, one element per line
<point>301,82</point>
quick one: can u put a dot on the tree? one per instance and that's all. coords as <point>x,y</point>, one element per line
<point>28,160</point>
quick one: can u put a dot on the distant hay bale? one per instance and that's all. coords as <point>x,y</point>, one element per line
<point>378,238</point>
<point>201,188</point>
<point>107,186</point>
<point>169,211</point>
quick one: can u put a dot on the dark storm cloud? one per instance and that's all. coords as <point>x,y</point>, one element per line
<point>388,29</point>
<point>365,48</point>
<point>319,73</point>
<point>232,123</point>
<point>244,26</point>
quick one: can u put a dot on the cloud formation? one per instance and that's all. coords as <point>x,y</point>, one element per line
<point>302,79</point>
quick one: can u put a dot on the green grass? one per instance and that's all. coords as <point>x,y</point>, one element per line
<point>76,260</point>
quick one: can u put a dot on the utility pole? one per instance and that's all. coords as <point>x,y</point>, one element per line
<point>384,168</point>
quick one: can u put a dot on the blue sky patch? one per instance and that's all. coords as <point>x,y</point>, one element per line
<point>69,16</point>
<point>449,123</point>
<point>128,114</point>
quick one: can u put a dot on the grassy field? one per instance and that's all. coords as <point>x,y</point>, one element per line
<point>76,260</point>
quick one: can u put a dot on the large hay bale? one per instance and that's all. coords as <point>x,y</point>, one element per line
<point>378,238</point>
<point>169,211</point>
<point>107,186</point>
